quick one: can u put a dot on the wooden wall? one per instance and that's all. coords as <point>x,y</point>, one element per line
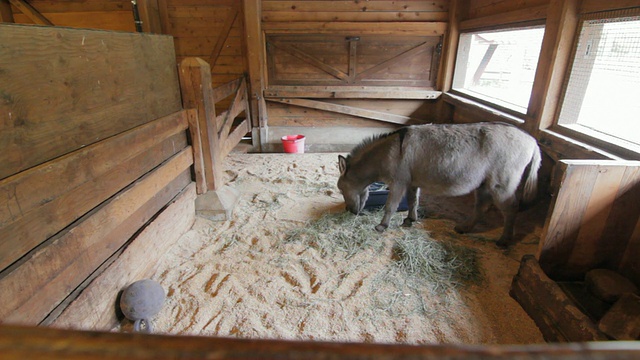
<point>105,15</point>
<point>594,220</point>
<point>94,145</point>
<point>211,30</point>
<point>329,43</point>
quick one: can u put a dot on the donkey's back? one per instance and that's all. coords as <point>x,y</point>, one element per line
<point>457,159</point>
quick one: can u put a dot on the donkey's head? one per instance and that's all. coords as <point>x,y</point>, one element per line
<point>351,186</point>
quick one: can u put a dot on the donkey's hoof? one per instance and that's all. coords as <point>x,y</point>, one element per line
<point>461,229</point>
<point>503,243</point>
<point>381,228</point>
<point>407,222</point>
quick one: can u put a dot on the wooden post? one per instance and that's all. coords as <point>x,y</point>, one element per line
<point>197,93</point>
<point>6,14</point>
<point>448,56</point>
<point>557,44</point>
<point>150,16</point>
<point>254,46</point>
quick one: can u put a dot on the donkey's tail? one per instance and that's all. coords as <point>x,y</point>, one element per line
<point>531,182</point>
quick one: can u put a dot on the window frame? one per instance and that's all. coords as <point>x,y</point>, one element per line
<point>484,102</point>
<point>585,135</point>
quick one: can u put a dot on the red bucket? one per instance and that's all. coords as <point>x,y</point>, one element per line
<point>293,144</point>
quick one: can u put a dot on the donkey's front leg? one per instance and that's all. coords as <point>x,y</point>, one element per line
<point>393,200</point>
<point>413,196</point>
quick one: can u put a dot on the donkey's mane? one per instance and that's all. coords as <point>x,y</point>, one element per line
<point>373,139</point>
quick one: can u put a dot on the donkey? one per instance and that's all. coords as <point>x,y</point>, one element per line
<point>449,160</point>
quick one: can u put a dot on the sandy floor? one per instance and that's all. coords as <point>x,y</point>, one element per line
<point>242,278</point>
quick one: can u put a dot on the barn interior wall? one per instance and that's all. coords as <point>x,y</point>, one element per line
<point>346,126</point>
<point>94,146</point>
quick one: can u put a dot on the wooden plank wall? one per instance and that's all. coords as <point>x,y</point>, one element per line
<point>94,146</point>
<point>105,15</point>
<point>211,30</point>
<point>351,120</point>
<point>96,85</point>
<point>594,220</point>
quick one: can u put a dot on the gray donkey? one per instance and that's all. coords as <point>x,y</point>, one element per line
<point>449,160</point>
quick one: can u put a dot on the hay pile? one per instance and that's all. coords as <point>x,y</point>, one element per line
<point>292,264</point>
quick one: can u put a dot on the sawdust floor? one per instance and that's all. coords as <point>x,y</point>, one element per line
<point>240,278</point>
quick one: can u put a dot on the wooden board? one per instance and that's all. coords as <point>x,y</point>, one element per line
<point>557,317</point>
<point>360,28</point>
<point>64,261</point>
<point>483,8</point>
<point>350,110</point>
<point>593,219</point>
<point>95,308</point>
<point>19,343</point>
<point>64,89</point>
<point>288,115</point>
<point>350,59</point>
<point>36,204</point>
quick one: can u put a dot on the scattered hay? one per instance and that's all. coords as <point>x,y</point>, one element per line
<point>420,268</point>
<point>341,233</point>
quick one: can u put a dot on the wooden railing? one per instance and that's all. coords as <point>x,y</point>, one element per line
<point>213,135</point>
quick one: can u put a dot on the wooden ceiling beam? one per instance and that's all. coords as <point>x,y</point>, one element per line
<point>6,15</point>
<point>31,12</point>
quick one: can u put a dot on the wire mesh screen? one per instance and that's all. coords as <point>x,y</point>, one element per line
<point>603,91</point>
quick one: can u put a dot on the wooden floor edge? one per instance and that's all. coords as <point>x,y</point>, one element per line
<point>18,342</point>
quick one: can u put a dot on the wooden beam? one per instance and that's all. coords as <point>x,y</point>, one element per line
<point>356,28</point>
<point>590,6</point>
<point>223,35</point>
<point>237,105</point>
<point>223,91</point>
<point>351,92</point>
<point>20,343</point>
<point>150,16</point>
<point>557,317</point>
<point>31,12</point>
<point>255,52</point>
<point>510,17</point>
<point>235,136</point>
<point>198,158</point>
<point>6,14</point>
<point>555,55</point>
<point>450,46</point>
<point>163,12</point>
<point>350,110</point>
<point>197,93</point>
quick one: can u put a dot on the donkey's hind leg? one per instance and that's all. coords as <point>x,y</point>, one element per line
<point>508,205</point>
<point>413,196</point>
<point>483,201</point>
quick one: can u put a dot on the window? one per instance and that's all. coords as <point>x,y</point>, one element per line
<point>602,94</point>
<point>499,66</point>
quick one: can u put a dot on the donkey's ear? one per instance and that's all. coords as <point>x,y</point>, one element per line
<point>342,164</point>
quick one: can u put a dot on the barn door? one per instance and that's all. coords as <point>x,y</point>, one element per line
<point>343,60</point>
